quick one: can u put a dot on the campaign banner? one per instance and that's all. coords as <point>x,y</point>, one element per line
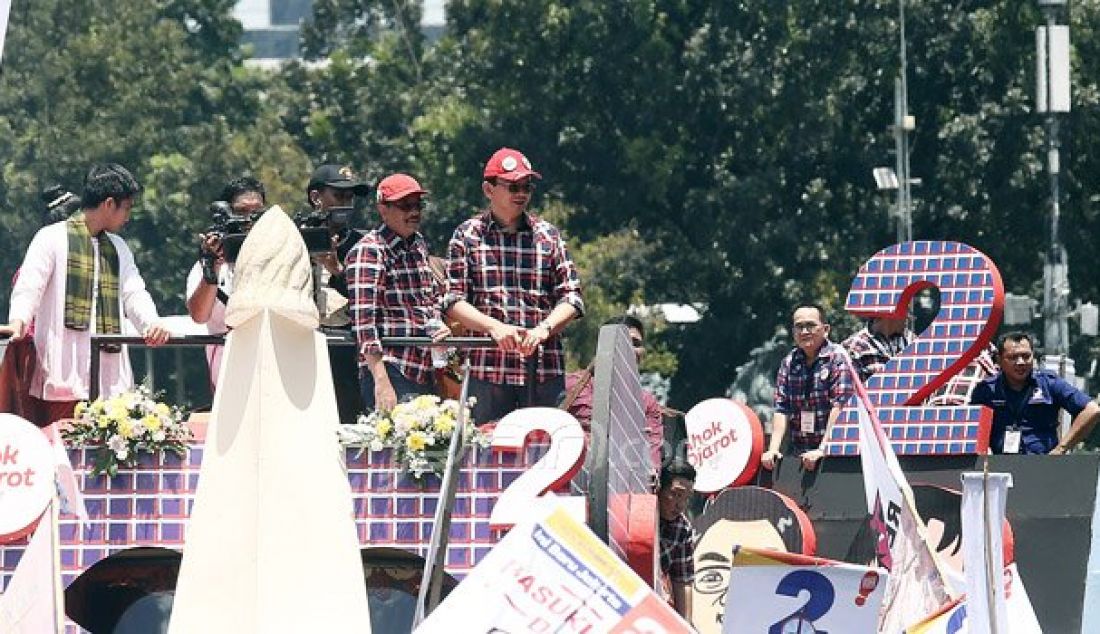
<point>955,619</point>
<point>917,586</point>
<point>32,602</point>
<point>552,574</point>
<point>777,593</point>
<point>26,476</point>
<point>724,443</point>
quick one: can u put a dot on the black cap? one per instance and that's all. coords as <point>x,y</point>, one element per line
<point>337,177</point>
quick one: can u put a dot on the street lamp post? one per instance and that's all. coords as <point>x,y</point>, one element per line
<point>1053,98</point>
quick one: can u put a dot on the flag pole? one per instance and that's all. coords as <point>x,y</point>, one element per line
<point>987,538</point>
<point>55,556</point>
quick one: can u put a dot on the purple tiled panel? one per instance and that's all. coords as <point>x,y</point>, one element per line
<point>149,506</point>
<point>971,305</point>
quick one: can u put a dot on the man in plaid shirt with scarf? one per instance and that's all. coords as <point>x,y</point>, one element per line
<point>509,275</point>
<point>813,384</point>
<point>79,278</point>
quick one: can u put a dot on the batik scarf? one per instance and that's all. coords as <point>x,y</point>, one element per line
<point>80,274</point>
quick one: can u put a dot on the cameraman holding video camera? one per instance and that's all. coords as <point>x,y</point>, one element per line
<point>331,194</point>
<point>211,278</point>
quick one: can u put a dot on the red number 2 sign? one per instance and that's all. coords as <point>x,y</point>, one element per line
<point>971,305</point>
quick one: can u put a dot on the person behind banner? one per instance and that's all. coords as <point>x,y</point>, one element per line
<point>813,384</point>
<point>509,275</point>
<point>677,537</point>
<point>394,294</point>
<point>210,281</point>
<point>579,385</point>
<point>872,347</point>
<point>79,278</point>
<point>1026,401</point>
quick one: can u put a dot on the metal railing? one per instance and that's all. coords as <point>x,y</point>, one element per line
<point>335,338</point>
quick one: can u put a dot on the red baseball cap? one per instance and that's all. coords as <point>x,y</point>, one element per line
<point>396,187</point>
<point>510,165</point>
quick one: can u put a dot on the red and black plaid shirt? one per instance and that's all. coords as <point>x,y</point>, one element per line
<point>677,540</point>
<point>817,388</point>
<point>392,294</point>
<point>516,278</point>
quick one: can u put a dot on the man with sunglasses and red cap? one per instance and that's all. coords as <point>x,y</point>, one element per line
<point>509,275</point>
<point>394,294</point>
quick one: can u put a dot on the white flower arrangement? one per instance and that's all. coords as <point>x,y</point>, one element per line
<point>125,426</point>
<point>418,431</point>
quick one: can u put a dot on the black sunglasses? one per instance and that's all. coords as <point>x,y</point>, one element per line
<point>408,205</point>
<point>518,188</point>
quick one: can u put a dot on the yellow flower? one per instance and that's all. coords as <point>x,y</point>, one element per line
<point>416,441</point>
<point>117,411</point>
<point>81,407</point>
<point>125,428</point>
<point>162,410</point>
<point>151,422</point>
<point>444,424</point>
<point>103,421</point>
<point>383,427</point>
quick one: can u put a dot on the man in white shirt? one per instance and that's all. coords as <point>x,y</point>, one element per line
<point>78,278</point>
<point>209,287</point>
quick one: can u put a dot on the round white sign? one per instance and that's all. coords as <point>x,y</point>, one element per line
<point>26,475</point>
<point>724,443</point>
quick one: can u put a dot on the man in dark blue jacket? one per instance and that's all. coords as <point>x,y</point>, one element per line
<point>1026,402</point>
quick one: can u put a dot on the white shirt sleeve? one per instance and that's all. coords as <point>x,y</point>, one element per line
<point>34,276</point>
<point>136,301</point>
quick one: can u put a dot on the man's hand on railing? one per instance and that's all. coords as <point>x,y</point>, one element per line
<point>16,330</point>
<point>156,334</point>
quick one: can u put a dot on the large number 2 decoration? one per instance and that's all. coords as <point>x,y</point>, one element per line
<point>971,305</point>
<point>817,605</point>
<point>524,497</point>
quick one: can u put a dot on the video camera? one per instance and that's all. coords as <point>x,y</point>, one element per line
<point>231,231</point>
<point>319,225</point>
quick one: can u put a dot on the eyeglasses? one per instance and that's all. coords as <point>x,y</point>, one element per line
<point>637,343</point>
<point>518,188</point>
<point>806,326</point>
<point>408,205</point>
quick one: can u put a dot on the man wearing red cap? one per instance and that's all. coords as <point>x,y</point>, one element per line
<point>392,293</point>
<point>509,275</point>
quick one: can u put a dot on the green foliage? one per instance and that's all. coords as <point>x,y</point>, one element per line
<point>693,152</point>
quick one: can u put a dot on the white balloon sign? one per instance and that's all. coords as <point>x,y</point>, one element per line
<point>724,443</point>
<point>26,475</point>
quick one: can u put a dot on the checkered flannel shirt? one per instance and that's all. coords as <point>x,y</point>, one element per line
<point>392,294</point>
<point>871,351</point>
<point>815,388</point>
<point>516,278</point>
<point>678,549</point>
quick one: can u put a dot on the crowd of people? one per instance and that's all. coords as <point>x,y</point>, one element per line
<point>507,275</point>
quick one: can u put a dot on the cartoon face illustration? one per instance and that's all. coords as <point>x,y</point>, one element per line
<point>742,516</point>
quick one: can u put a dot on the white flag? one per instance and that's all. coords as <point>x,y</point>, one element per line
<point>5,8</point>
<point>916,587</point>
<point>32,602</point>
<point>982,543</point>
<point>68,491</point>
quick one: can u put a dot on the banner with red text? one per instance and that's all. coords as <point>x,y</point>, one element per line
<point>552,574</point>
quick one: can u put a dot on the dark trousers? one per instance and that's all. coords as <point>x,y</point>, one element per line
<point>344,361</point>
<point>403,387</point>
<point>495,400</point>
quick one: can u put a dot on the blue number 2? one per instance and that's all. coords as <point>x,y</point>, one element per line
<point>820,601</point>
